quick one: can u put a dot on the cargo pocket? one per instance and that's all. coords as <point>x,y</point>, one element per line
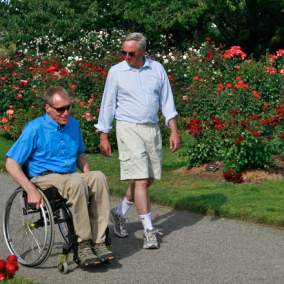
<point>124,159</point>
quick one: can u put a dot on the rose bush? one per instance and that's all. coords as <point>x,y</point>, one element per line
<point>23,81</point>
<point>233,107</point>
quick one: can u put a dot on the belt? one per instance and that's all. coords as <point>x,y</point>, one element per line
<point>50,172</point>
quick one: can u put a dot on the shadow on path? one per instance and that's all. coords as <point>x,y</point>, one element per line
<point>168,220</point>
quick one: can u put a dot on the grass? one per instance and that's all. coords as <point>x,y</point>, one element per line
<point>261,202</point>
<point>5,144</point>
<point>17,280</point>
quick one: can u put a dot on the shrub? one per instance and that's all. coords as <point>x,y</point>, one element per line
<point>24,80</point>
<point>234,108</point>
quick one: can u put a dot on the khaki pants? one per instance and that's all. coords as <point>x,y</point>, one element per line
<point>91,222</point>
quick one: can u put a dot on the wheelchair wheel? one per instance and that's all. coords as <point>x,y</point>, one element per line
<point>29,233</point>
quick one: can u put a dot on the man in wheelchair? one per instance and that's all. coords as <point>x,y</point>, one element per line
<point>50,149</point>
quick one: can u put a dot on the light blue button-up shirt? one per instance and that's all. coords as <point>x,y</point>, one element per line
<point>44,145</point>
<point>136,95</point>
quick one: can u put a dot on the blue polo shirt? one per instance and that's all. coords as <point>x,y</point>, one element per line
<point>44,145</point>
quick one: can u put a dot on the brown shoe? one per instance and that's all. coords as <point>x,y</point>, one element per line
<point>86,255</point>
<point>103,252</point>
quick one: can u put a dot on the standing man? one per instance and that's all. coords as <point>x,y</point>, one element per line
<point>51,148</point>
<point>135,90</point>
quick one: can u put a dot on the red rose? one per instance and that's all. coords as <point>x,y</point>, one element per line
<point>239,140</point>
<point>72,86</point>
<point>256,133</point>
<point>11,267</point>
<point>256,94</point>
<point>52,68</point>
<point>12,258</point>
<point>2,276</point>
<point>2,265</point>
<point>91,100</point>
<point>24,82</point>
<point>232,176</point>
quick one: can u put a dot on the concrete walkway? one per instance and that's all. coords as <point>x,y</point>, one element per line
<point>195,249</point>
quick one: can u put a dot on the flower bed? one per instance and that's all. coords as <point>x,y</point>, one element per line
<point>232,106</point>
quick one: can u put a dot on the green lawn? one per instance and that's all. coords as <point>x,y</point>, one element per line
<point>18,280</point>
<point>4,146</point>
<point>261,202</point>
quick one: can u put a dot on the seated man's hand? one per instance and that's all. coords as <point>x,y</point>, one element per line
<point>35,198</point>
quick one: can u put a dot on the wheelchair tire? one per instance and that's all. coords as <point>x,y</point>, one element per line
<point>29,233</point>
<point>66,227</point>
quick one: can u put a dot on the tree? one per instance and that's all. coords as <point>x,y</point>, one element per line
<point>27,19</point>
<point>256,25</point>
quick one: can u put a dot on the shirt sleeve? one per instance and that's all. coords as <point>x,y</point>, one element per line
<point>108,104</point>
<point>24,146</point>
<point>166,99</point>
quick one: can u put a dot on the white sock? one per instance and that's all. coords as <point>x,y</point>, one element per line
<point>146,220</point>
<point>123,207</point>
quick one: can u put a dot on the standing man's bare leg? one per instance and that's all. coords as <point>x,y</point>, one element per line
<point>142,202</point>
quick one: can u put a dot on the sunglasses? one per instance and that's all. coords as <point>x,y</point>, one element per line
<point>62,109</point>
<point>130,54</point>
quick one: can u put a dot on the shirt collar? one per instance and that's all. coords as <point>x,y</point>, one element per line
<point>147,64</point>
<point>52,123</point>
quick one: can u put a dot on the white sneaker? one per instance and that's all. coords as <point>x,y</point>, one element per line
<point>119,224</point>
<point>152,239</point>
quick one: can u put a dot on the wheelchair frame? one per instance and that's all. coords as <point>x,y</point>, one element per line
<point>34,246</point>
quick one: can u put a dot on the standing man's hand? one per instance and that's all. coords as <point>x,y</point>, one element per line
<point>175,140</point>
<point>105,146</point>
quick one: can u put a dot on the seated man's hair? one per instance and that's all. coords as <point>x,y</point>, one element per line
<point>51,91</point>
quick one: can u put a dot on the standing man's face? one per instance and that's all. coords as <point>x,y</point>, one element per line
<point>59,109</point>
<point>132,54</point>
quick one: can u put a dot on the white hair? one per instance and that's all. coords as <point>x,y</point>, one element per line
<point>139,37</point>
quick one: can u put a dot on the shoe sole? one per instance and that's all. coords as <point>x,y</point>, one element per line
<point>107,259</point>
<point>91,262</point>
<point>114,230</point>
<point>151,247</point>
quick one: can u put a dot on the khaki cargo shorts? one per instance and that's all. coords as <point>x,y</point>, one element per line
<point>140,150</point>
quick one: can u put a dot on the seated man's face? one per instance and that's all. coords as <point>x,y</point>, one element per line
<point>60,108</point>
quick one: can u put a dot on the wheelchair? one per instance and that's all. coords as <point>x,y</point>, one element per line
<point>29,232</point>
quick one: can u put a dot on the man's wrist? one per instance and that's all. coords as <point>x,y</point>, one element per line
<point>174,131</point>
<point>104,136</point>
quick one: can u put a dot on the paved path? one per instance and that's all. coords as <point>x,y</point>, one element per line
<point>195,249</point>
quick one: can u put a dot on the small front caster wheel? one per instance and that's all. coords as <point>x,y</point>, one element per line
<point>63,267</point>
